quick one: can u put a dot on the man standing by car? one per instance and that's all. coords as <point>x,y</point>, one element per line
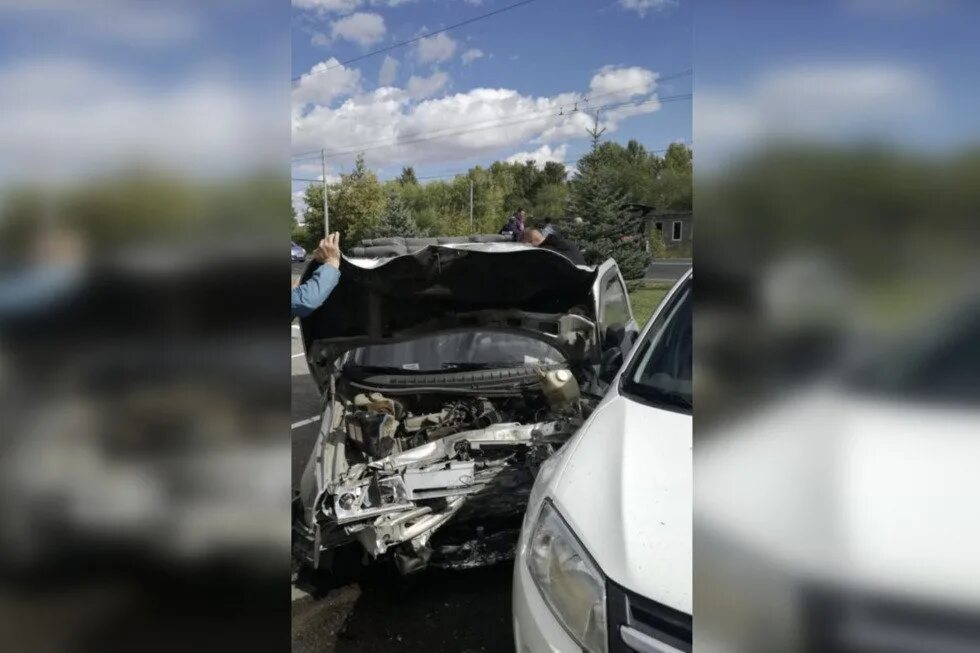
<point>515,226</point>
<point>310,295</point>
<point>555,243</point>
<point>548,228</point>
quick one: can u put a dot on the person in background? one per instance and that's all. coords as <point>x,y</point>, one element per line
<point>555,243</point>
<point>310,295</point>
<point>548,228</point>
<point>515,226</point>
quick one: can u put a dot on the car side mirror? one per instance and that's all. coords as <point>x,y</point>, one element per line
<point>612,360</point>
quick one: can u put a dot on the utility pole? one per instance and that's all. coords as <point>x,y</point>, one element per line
<point>472,226</point>
<point>326,204</point>
<point>595,132</point>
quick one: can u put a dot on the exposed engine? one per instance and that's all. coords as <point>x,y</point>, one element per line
<point>415,462</point>
<point>378,426</point>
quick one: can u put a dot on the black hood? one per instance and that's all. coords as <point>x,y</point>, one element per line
<point>445,288</point>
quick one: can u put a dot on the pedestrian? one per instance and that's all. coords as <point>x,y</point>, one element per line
<point>310,295</point>
<point>555,243</point>
<point>548,228</point>
<point>515,226</point>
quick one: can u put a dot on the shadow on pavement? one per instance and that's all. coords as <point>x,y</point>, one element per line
<point>433,611</point>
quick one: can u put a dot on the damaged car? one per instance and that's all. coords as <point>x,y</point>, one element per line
<point>448,376</point>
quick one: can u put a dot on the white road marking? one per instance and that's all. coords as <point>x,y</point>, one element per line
<point>299,594</point>
<point>297,355</point>
<point>315,418</point>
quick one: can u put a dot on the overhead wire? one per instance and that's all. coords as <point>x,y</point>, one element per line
<point>416,39</point>
<point>586,99</point>
<point>372,145</point>
<point>452,175</point>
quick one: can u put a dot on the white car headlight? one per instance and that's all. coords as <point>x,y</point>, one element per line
<point>571,584</point>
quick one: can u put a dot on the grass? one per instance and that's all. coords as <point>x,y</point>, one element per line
<point>646,298</point>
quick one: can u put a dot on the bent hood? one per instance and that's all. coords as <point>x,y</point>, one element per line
<point>445,288</point>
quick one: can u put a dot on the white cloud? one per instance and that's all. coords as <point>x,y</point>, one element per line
<point>617,83</point>
<point>388,71</point>
<point>395,126</point>
<point>643,6</point>
<point>541,156</point>
<point>140,25</point>
<point>66,119</point>
<point>471,55</point>
<point>423,87</point>
<point>338,6</point>
<point>325,82</point>
<point>435,49</point>
<point>824,100</point>
<point>362,28</point>
<point>343,6</point>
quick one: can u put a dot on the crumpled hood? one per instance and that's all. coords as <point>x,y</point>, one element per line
<point>443,288</point>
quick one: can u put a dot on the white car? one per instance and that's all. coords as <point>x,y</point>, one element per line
<point>448,375</point>
<point>604,561</point>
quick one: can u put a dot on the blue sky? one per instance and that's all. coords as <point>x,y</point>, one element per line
<point>538,57</point>
<point>898,71</point>
<point>103,86</point>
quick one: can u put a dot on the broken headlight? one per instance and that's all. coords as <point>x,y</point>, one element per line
<point>571,584</point>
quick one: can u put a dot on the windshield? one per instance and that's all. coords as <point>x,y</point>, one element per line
<point>457,351</point>
<point>660,373</point>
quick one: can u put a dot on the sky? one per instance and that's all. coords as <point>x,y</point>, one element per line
<point>901,72</point>
<point>511,82</point>
<point>99,87</point>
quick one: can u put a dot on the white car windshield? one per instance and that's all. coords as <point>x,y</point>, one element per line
<point>661,372</point>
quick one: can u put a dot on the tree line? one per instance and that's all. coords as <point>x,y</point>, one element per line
<point>591,204</point>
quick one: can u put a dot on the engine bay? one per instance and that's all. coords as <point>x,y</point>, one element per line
<point>408,464</point>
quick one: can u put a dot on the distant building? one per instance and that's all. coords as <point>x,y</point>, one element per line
<point>675,227</point>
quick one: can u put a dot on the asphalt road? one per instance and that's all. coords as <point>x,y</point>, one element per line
<point>668,269</point>
<point>376,610</point>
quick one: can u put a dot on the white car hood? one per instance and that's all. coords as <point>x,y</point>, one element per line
<point>626,491</point>
<point>866,493</point>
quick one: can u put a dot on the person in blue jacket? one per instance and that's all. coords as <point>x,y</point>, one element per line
<point>310,295</point>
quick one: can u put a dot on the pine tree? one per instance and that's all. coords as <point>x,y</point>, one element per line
<point>397,220</point>
<point>607,228</point>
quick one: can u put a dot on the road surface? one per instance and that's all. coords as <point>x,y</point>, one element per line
<point>668,269</point>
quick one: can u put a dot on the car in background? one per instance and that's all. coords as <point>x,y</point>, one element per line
<point>296,253</point>
<point>605,557</point>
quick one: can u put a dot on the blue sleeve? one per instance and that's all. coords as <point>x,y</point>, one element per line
<point>310,295</point>
<point>36,288</point>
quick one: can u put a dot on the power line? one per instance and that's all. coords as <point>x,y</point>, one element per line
<point>416,39</point>
<point>371,145</point>
<point>452,175</point>
<point>573,105</point>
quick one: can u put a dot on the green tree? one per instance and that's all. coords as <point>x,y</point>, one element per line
<point>607,229</point>
<point>408,177</point>
<point>313,213</point>
<point>356,204</point>
<point>554,173</point>
<point>551,201</point>
<point>396,220</point>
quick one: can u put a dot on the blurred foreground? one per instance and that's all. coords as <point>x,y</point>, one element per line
<point>144,476</point>
<point>837,337</point>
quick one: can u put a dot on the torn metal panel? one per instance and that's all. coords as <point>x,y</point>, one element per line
<point>441,480</point>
